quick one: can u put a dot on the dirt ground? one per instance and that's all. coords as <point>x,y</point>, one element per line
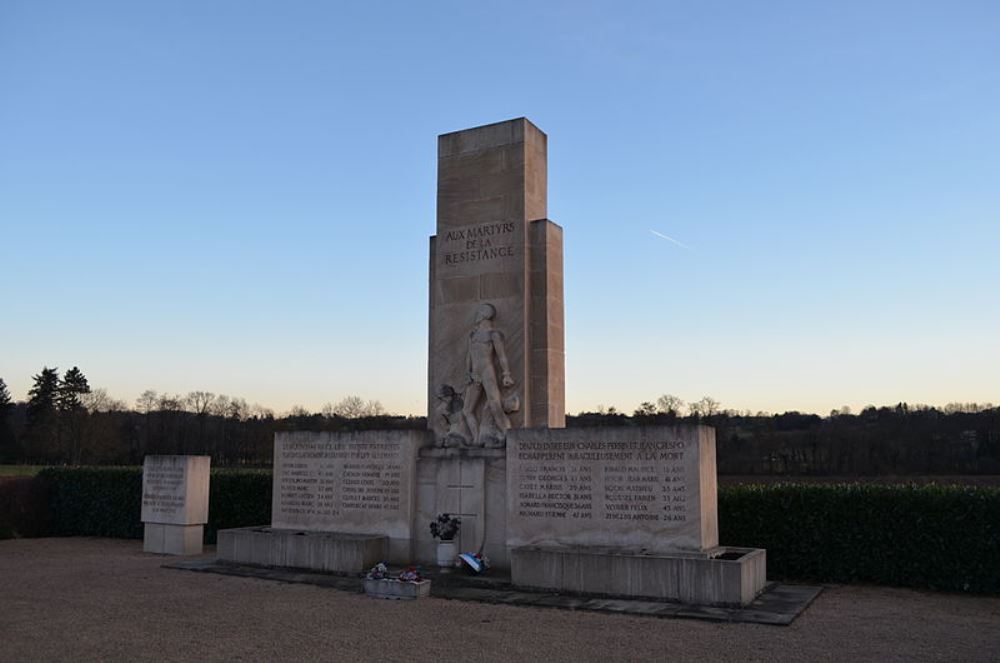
<point>101,599</point>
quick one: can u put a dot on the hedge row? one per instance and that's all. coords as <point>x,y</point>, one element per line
<point>23,507</point>
<point>930,536</point>
<point>107,501</point>
<point>938,537</point>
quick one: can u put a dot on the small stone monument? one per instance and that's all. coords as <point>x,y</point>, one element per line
<point>175,503</point>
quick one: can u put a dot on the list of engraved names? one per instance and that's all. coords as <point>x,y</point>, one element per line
<point>611,481</point>
<point>162,490</point>
<point>326,478</point>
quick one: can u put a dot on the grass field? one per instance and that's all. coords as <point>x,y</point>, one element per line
<point>20,470</point>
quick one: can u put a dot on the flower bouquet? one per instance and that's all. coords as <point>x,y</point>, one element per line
<point>409,584</point>
<point>445,529</point>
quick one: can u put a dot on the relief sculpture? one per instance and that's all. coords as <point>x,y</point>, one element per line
<point>479,417</point>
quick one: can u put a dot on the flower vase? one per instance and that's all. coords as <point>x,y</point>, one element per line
<point>446,553</point>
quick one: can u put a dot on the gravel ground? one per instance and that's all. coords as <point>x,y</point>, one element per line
<point>102,599</point>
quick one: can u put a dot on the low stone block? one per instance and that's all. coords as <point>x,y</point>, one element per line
<point>397,589</point>
<point>173,539</point>
<point>334,552</point>
<point>722,576</point>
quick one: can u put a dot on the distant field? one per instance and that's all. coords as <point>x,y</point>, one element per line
<point>942,479</point>
<point>19,470</point>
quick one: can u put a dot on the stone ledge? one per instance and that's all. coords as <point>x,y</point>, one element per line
<point>778,605</point>
<point>320,551</point>
<point>730,577</point>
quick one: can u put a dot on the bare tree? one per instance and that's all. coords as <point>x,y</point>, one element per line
<point>220,406</point>
<point>645,409</point>
<point>668,403</point>
<point>147,401</point>
<point>705,407</point>
<point>98,400</point>
<point>298,411</point>
<point>199,402</point>
<point>353,407</point>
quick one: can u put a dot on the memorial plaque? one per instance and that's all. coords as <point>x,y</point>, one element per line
<point>649,488</point>
<point>359,482</point>
<point>175,490</point>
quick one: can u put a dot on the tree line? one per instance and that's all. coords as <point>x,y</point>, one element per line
<point>903,439</point>
<point>65,421</point>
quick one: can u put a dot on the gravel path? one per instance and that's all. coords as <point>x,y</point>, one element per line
<point>102,599</point>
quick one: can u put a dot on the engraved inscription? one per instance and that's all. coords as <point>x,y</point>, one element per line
<point>647,489</point>
<point>477,243</point>
<point>344,482</point>
<point>162,491</point>
<point>612,481</point>
<point>323,478</point>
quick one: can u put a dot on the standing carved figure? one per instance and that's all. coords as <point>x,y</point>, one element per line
<point>485,344</point>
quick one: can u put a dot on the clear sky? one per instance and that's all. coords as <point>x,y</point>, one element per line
<point>236,196</point>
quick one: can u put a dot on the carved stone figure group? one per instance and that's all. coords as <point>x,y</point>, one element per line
<point>478,417</point>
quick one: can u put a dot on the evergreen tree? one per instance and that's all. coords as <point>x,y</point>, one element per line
<point>41,428</point>
<point>72,413</point>
<point>73,385</point>
<point>9,452</point>
<point>5,404</point>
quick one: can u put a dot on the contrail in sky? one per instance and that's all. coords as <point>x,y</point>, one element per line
<point>671,239</point>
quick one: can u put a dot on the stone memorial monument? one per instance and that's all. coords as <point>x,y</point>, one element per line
<point>618,511</point>
<point>175,503</point>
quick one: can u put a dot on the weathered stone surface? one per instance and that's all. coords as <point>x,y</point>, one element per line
<point>727,577</point>
<point>173,539</point>
<point>642,489</point>
<point>175,489</point>
<point>333,552</point>
<point>496,309</point>
<point>468,483</point>
<point>360,482</point>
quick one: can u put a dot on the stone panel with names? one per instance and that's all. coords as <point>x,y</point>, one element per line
<point>175,489</point>
<point>648,488</point>
<point>345,482</point>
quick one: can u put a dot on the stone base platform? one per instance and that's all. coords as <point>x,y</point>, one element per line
<point>166,539</point>
<point>778,605</point>
<point>334,552</point>
<point>723,576</point>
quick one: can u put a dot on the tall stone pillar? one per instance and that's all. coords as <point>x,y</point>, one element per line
<point>496,357</point>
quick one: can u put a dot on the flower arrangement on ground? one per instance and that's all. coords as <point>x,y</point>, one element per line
<point>409,584</point>
<point>381,572</point>
<point>475,563</point>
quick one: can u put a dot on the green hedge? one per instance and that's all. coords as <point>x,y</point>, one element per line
<point>94,501</point>
<point>101,501</point>
<point>938,537</point>
<point>238,498</point>
<point>930,536</point>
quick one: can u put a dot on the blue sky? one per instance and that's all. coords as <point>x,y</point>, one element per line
<point>236,196</point>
